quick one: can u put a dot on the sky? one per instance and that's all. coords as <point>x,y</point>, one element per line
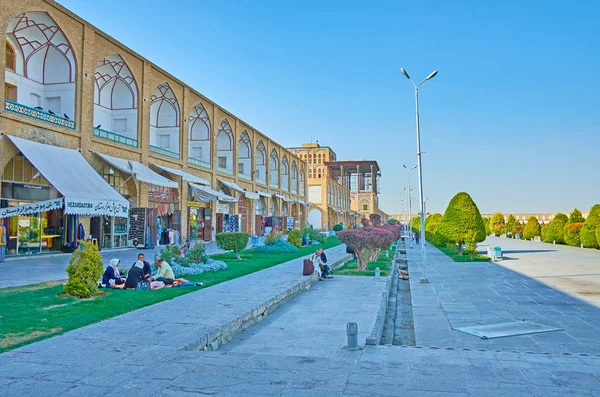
<point>512,118</point>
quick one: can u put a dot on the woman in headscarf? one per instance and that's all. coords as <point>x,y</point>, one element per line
<point>111,276</point>
<point>135,275</point>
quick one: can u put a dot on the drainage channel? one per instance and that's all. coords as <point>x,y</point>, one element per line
<point>399,323</point>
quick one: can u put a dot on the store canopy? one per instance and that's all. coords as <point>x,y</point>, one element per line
<point>138,170</point>
<point>252,195</point>
<point>278,196</point>
<point>232,185</point>
<point>206,194</point>
<point>263,194</point>
<point>85,192</point>
<point>186,176</point>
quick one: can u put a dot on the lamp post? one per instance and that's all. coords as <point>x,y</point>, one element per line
<point>409,204</point>
<point>424,279</point>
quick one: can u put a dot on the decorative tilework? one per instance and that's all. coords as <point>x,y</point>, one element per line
<point>164,152</point>
<point>111,136</point>
<point>18,108</point>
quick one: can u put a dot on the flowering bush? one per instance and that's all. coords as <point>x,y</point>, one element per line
<point>375,220</point>
<point>278,246</point>
<point>210,265</point>
<point>271,237</point>
<point>365,222</point>
<point>367,242</point>
<point>172,254</point>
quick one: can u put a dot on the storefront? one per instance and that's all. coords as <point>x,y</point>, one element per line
<point>224,221</point>
<point>261,204</point>
<point>199,221</point>
<point>48,193</point>
<point>162,202</point>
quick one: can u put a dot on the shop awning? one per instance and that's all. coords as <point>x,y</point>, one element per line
<point>138,170</point>
<point>232,185</point>
<point>252,195</point>
<point>186,176</point>
<point>278,196</point>
<point>207,194</point>
<point>85,192</point>
<point>263,194</point>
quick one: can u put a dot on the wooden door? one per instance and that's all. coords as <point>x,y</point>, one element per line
<point>258,225</point>
<point>207,225</point>
<point>219,225</point>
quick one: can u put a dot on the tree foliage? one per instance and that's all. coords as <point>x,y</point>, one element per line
<point>375,220</point>
<point>532,229</point>
<point>486,222</point>
<point>460,222</point>
<point>393,221</point>
<point>497,223</point>
<point>431,223</point>
<point>233,241</point>
<point>588,231</point>
<point>544,230</point>
<point>576,216</point>
<point>415,224</point>
<point>368,242</point>
<point>511,222</point>
<point>84,270</point>
<point>556,229</point>
<point>295,238</point>
<point>572,234</point>
<point>518,231</point>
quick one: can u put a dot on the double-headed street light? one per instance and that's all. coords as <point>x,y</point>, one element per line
<point>409,223</point>
<point>424,278</point>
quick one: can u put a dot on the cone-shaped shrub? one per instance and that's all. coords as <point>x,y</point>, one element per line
<point>532,229</point>
<point>486,222</point>
<point>572,234</point>
<point>416,224</point>
<point>576,216</point>
<point>84,270</point>
<point>497,223</point>
<point>556,229</point>
<point>461,221</point>
<point>588,231</point>
<point>511,222</point>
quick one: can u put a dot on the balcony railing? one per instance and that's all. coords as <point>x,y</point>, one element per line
<point>164,152</point>
<point>111,136</point>
<point>37,114</point>
<point>199,163</point>
<point>225,170</point>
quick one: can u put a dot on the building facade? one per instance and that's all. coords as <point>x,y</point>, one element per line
<point>543,218</point>
<point>186,166</point>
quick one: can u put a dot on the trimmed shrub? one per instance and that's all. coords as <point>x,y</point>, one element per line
<point>544,229</point>
<point>511,222</point>
<point>393,221</point>
<point>84,270</point>
<point>211,265</point>
<point>233,241</point>
<point>576,217</point>
<point>572,234</point>
<point>295,238</point>
<point>518,230</point>
<point>431,223</point>
<point>375,220</point>
<point>313,235</point>
<point>365,222</point>
<point>486,222</point>
<point>497,224</point>
<point>271,237</point>
<point>532,229</point>
<point>278,246</point>
<point>415,224</point>
<point>598,234</point>
<point>460,222</point>
<point>588,231</point>
<point>338,227</point>
<point>367,243</point>
<point>556,229</point>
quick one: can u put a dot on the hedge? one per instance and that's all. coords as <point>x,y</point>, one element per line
<point>572,234</point>
<point>532,229</point>
<point>233,241</point>
<point>556,229</point>
<point>588,231</point>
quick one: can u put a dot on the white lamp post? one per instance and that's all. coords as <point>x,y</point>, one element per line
<point>424,279</point>
<point>409,204</point>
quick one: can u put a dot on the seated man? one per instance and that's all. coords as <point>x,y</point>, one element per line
<point>112,277</point>
<point>135,275</point>
<point>165,273</point>
<point>147,268</point>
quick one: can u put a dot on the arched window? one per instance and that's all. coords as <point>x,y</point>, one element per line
<point>164,121</point>
<point>301,182</point>
<point>225,147</point>
<point>274,169</point>
<point>115,100</point>
<point>261,163</point>
<point>294,177</point>
<point>199,140</point>
<point>285,174</point>
<point>40,68</point>
<point>244,156</point>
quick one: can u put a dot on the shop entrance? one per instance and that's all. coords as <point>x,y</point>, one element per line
<point>200,224</point>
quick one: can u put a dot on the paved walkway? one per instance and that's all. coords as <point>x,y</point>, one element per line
<point>478,293</point>
<point>573,270</point>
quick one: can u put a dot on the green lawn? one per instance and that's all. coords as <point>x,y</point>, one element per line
<point>383,263</point>
<point>35,312</point>
<point>453,253</point>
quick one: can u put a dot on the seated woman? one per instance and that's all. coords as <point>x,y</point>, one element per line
<point>321,268</point>
<point>112,277</point>
<point>135,275</point>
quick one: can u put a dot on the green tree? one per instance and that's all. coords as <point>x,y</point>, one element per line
<point>598,234</point>
<point>461,221</point>
<point>84,270</point>
<point>532,229</point>
<point>486,222</point>
<point>431,223</point>
<point>295,238</point>
<point>588,231</point>
<point>576,217</point>
<point>511,222</point>
<point>544,230</point>
<point>416,224</point>
<point>556,229</point>
<point>497,223</point>
<point>233,241</point>
<point>572,234</point>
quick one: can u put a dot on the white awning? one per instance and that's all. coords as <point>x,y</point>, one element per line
<point>207,194</point>
<point>185,175</point>
<point>232,185</point>
<point>278,196</point>
<point>85,192</point>
<point>263,194</point>
<point>138,170</point>
<point>252,195</point>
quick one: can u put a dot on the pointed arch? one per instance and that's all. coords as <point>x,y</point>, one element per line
<point>285,173</point>
<point>294,177</point>
<point>199,136</point>
<point>225,147</point>
<point>301,188</point>
<point>164,121</point>
<point>260,165</point>
<point>274,169</point>
<point>244,155</point>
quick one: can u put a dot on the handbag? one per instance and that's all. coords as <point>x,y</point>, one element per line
<point>142,286</point>
<point>309,268</point>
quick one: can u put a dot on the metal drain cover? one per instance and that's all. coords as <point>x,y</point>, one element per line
<point>506,329</point>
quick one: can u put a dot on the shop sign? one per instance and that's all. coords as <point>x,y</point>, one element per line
<point>96,207</point>
<point>32,208</point>
<point>290,223</point>
<point>161,196</point>
<point>197,204</point>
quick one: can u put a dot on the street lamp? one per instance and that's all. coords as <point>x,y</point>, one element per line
<point>424,279</point>
<point>409,204</point>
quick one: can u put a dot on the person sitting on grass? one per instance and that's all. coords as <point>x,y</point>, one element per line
<point>135,275</point>
<point>147,268</point>
<point>164,273</point>
<point>111,277</point>
<point>320,267</point>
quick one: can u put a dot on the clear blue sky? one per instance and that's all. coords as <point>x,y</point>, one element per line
<point>513,116</point>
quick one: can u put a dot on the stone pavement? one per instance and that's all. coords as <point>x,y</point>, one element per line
<point>573,270</point>
<point>478,293</point>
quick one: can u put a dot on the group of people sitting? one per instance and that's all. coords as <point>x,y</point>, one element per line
<point>139,272</point>
<point>319,260</point>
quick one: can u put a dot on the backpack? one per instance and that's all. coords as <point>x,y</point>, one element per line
<point>309,268</point>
